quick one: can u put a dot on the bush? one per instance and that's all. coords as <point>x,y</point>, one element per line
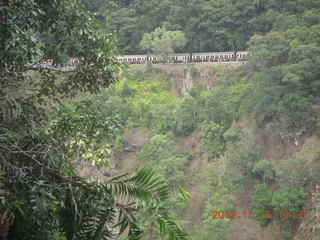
<point>261,201</point>
<point>239,167</point>
<point>232,134</point>
<point>212,138</point>
<point>162,154</point>
<point>289,174</point>
<point>288,199</point>
<point>264,169</point>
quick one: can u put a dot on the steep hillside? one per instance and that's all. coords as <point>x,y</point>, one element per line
<point>208,140</point>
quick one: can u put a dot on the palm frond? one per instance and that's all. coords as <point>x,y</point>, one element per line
<point>169,226</point>
<point>144,185</point>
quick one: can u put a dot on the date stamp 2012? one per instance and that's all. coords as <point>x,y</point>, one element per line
<point>267,214</point>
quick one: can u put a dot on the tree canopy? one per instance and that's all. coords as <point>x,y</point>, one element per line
<point>162,42</point>
<point>209,25</point>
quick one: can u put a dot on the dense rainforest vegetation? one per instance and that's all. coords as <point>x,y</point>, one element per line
<point>209,25</point>
<point>52,119</point>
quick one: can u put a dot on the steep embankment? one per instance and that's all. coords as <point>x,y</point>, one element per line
<point>185,76</point>
<point>235,156</point>
<point>271,147</point>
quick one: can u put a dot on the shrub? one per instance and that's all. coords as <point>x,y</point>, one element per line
<point>261,201</point>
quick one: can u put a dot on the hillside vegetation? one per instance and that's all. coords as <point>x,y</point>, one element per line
<point>245,137</point>
<point>199,141</point>
<point>282,36</point>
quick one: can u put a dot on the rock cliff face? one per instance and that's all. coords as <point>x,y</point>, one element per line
<point>185,76</point>
<point>184,80</point>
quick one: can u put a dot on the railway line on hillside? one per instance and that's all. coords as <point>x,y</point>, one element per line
<point>143,59</point>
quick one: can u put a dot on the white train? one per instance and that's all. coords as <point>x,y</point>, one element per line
<point>141,59</point>
<point>186,57</point>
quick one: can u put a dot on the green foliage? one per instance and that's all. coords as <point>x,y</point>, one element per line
<point>290,174</point>
<point>219,199</point>
<point>118,145</point>
<point>216,228</point>
<point>208,25</point>
<point>288,197</point>
<point>223,103</point>
<point>287,60</point>
<point>162,154</point>
<point>162,42</point>
<point>283,39</point>
<point>22,44</point>
<point>171,161</point>
<point>185,116</point>
<point>232,134</point>
<point>212,138</point>
<point>239,167</point>
<point>288,200</point>
<point>85,131</point>
<point>261,201</point>
<point>265,170</point>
